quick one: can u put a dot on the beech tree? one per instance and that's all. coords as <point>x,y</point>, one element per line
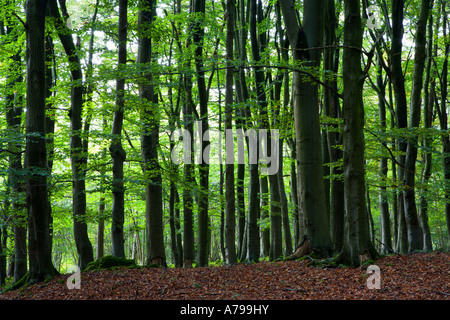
<point>357,240</point>
<point>150,140</point>
<point>78,155</point>
<point>117,152</point>
<point>39,242</point>
<point>306,41</point>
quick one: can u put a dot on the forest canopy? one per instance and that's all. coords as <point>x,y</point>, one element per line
<point>325,122</point>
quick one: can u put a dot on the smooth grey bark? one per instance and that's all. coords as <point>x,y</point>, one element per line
<point>39,241</point>
<point>306,117</point>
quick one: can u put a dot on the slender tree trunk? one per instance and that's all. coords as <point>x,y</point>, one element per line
<point>41,266</point>
<point>331,108</point>
<point>251,224</point>
<point>78,155</point>
<point>14,110</point>
<point>230,207</point>
<point>101,228</point>
<point>150,139</point>
<point>398,83</point>
<point>198,35</point>
<point>174,211</point>
<point>275,210</point>
<point>265,227</point>
<point>415,236</point>
<point>443,120</point>
<point>428,106</point>
<point>116,149</point>
<point>383,171</point>
<point>294,198</point>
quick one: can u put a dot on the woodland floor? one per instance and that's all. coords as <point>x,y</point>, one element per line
<point>403,277</point>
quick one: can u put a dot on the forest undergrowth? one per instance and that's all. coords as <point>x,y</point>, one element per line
<point>415,276</point>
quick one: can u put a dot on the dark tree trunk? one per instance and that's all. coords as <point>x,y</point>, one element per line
<point>149,141</point>
<point>428,106</point>
<point>41,266</point>
<point>443,120</point>
<point>357,239</point>
<point>415,236</point>
<point>306,116</point>
<point>383,171</point>
<point>230,206</point>
<point>14,110</point>
<point>117,152</point>
<point>203,220</point>
<point>398,83</point>
<point>275,210</point>
<point>334,138</point>
<point>78,155</point>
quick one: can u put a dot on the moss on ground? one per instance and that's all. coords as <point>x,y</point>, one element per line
<point>109,262</point>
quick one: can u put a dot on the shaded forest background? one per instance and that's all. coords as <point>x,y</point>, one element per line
<point>92,92</point>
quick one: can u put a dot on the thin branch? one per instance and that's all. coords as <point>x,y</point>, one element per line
<point>12,152</point>
<point>20,19</point>
<point>386,146</point>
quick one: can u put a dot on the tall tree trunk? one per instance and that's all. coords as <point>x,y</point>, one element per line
<point>203,220</point>
<point>331,108</point>
<point>398,83</point>
<point>41,266</point>
<point>230,207</point>
<point>78,155</point>
<point>251,224</point>
<point>275,210</point>
<point>428,106</point>
<point>357,238</point>
<point>415,236</point>
<point>174,211</point>
<point>149,141</point>
<point>116,149</point>
<point>14,110</point>
<point>306,117</point>
<point>284,104</point>
<point>443,120</point>
<point>383,170</point>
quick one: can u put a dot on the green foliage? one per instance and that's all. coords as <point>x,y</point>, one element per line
<point>174,61</point>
